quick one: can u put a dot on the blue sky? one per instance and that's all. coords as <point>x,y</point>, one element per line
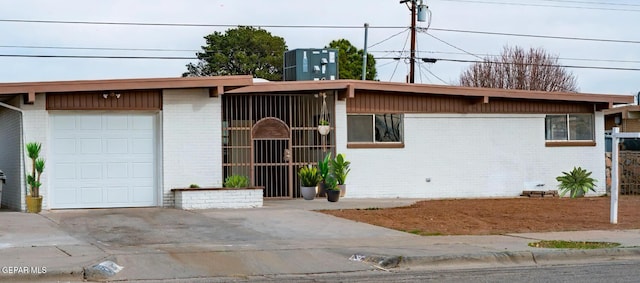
<point>582,19</point>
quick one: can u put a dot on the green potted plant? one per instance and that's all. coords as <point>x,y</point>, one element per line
<point>33,198</point>
<point>578,182</point>
<point>340,169</point>
<point>331,185</point>
<point>309,179</point>
<point>323,127</point>
<point>323,170</point>
<point>236,181</point>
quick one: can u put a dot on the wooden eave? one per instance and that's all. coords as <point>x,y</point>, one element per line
<point>217,85</point>
<point>484,95</point>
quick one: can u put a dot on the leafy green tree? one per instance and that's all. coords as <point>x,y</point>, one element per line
<point>350,61</point>
<point>240,51</point>
<point>517,68</point>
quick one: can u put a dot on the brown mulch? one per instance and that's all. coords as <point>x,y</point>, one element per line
<point>500,216</point>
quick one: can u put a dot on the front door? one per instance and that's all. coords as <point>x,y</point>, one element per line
<point>271,157</point>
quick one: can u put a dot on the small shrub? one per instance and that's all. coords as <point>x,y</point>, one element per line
<point>578,182</point>
<point>236,181</point>
<point>309,176</point>
<point>194,186</point>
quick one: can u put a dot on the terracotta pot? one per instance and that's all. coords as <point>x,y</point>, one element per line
<point>34,204</point>
<point>308,193</point>
<point>333,195</point>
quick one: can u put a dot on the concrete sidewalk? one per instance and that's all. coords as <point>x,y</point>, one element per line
<point>284,237</point>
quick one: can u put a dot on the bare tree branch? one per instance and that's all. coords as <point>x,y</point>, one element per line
<point>516,68</point>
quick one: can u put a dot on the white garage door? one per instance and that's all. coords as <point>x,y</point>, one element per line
<point>103,160</point>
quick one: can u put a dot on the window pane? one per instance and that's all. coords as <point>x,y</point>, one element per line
<point>556,127</point>
<point>388,128</point>
<point>581,127</point>
<point>359,128</point>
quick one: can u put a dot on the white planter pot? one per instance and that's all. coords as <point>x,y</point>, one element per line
<point>324,130</point>
<point>308,193</point>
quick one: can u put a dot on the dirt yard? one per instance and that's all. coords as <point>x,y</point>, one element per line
<point>500,216</point>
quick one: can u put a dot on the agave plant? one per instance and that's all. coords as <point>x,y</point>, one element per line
<point>578,182</point>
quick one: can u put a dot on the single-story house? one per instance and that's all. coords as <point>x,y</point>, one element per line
<point>129,142</point>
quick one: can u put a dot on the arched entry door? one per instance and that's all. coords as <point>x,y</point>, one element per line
<point>271,157</point>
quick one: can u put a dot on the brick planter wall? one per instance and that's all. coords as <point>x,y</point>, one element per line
<point>204,198</point>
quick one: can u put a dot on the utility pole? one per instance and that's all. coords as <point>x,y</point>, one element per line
<point>364,56</point>
<point>412,59</point>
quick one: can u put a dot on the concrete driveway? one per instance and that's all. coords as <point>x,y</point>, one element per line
<point>281,238</point>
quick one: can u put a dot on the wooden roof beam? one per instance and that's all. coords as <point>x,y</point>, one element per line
<point>216,91</point>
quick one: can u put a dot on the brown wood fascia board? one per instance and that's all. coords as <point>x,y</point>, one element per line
<point>124,84</point>
<point>481,93</point>
<point>292,86</point>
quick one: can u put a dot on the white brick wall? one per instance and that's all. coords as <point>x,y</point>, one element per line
<point>10,161</point>
<point>467,155</point>
<point>191,141</point>
<point>203,199</point>
<point>36,129</point>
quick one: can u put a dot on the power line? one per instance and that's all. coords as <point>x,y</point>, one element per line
<point>317,27</point>
<point>98,48</point>
<point>451,45</point>
<point>390,37</point>
<point>98,57</point>
<point>593,3</point>
<point>544,5</point>
<point>543,65</point>
<point>193,24</point>
<point>537,35</point>
<point>386,52</point>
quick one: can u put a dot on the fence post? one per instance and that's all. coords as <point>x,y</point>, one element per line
<point>614,175</point>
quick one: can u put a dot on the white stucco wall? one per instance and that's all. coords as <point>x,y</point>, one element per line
<point>191,140</point>
<point>468,155</point>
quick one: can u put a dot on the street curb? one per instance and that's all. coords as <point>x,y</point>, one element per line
<point>501,258</point>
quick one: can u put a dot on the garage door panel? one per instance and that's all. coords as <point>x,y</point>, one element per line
<point>118,195</point>
<point>90,171</point>
<point>141,194</point>
<point>90,146</point>
<point>91,195</point>
<point>90,122</point>
<point>65,171</point>
<point>117,170</point>
<point>65,196</point>
<point>142,146</point>
<point>103,160</point>
<point>64,146</point>
<point>117,145</point>
<point>117,123</point>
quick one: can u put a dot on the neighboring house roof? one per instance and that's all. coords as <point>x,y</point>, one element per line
<point>347,88</point>
<point>623,110</point>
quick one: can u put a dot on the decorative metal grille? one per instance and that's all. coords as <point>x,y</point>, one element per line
<point>272,162</point>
